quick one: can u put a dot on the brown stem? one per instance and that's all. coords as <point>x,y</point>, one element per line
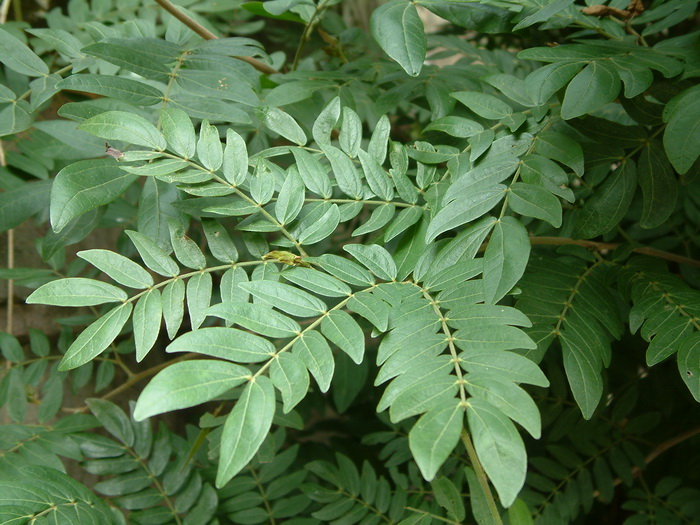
<point>208,35</point>
<point>660,449</point>
<point>136,378</point>
<point>663,447</point>
<point>598,246</point>
<point>10,262</point>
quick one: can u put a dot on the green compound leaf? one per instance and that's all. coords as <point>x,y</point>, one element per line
<point>689,364</point>
<point>127,127</point>
<point>225,343</point>
<point>219,242</point>
<point>377,178</point>
<point>18,57</point>
<point>344,269</point>
<point>433,438</point>
<point>77,291</point>
<point>96,337</point>
<point>245,429</point>
<point>317,282</point>
<point>505,258</point>
<point>596,85</point>
<point>173,306</point>
<point>340,328</point>
<point>541,15</point>
<point>15,118</point>
<point>499,447</point>
<point>510,399</point>
<point>235,161</point>
<point>398,30</point>
<point>533,201</point>
<point>346,175</point>
<point>350,132</point>
<point>658,184</point>
<point>321,228</point>
<point>582,365</point>
<point>290,199</point>
<point>121,88</point>
<point>83,186</point>
<point>503,365</point>
<point>483,104</point>
<point>455,126</point>
<point>153,255</point>
<point>178,131</point>
<point>209,150</point>
<point>32,490</point>
<point>609,203</point>
<point>288,373</point>
<point>375,258</point>
<point>187,384</point>
<point>282,123</point>
<point>146,320</point>
<point>464,210</point>
<point>543,82</point>
<point>123,270</point>
<point>199,289</point>
<point>286,298</point>
<point>312,173</point>
<point>20,203</point>
<point>682,134</point>
<point>314,351</point>
<point>259,318</point>
<point>449,497</point>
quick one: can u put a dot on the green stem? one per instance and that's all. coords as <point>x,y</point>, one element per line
<point>481,476</point>
<point>306,35</point>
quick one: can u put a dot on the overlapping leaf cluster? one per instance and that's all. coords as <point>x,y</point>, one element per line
<point>286,235</point>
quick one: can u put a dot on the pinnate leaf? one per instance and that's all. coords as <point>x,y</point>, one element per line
<point>246,427</point>
<point>225,343</point>
<point>434,436</point>
<point>682,134</point>
<point>83,186</point>
<point>123,270</point>
<point>124,126</point>
<point>287,298</point>
<point>505,258</point>
<point>76,291</point>
<point>499,447</point>
<point>187,384</point>
<point>18,57</point>
<point>96,338</point>
<point>398,29</point>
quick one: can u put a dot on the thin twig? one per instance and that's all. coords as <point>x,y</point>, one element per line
<point>10,262</point>
<point>663,447</point>
<point>10,282</point>
<point>208,35</point>
<point>136,378</point>
<point>306,35</point>
<point>660,449</point>
<point>599,246</point>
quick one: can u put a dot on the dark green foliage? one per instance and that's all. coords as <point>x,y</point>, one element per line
<point>420,278</point>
